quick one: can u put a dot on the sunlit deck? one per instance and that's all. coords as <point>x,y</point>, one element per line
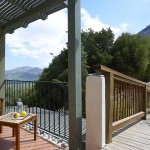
<point>136,136</point>
<point>7,142</point>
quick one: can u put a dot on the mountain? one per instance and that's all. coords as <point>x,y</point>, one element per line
<point>25,73</point>
<point>145,31</point>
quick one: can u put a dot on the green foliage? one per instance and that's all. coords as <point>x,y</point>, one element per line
<point>48,95</point>
<point>51,95</point>
<point>130,55</point>
<point>98,46</point>
<point>13,93</point>
<point>147,73</point>
<point>56,68</point>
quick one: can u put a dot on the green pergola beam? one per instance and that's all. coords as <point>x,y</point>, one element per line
<point>2,64</point>
<point>74,67</point>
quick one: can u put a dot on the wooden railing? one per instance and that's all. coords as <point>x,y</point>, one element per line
<point>125,99</point>
<point>148,99</point>
<point>1,106</point>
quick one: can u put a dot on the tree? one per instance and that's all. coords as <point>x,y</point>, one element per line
<point>58,72</point>
<point>130,55</point>
<point>147,73</point>
<point>98,46</point>
<point>95,49</point>
<point>57,69</point>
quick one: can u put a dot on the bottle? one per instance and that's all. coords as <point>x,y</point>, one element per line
<point>19,106</point>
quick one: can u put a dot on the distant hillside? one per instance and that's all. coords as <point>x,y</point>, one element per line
<point>24,73</point>
<point>145,31</point>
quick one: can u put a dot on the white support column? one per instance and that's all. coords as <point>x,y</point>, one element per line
<point>95,112</point>
<point>2,64</point>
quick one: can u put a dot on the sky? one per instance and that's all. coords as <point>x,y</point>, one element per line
<point>34,45</point>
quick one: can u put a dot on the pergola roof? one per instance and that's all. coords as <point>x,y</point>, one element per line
<point>19,13</point>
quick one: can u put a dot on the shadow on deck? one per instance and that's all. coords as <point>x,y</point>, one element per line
<point>135,136</point>
<point>7,142</point>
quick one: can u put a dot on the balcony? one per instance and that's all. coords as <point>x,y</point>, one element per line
<point>46,99</point>
<point>31,11</point>
<point>7,142</point>
<point>128,97</point>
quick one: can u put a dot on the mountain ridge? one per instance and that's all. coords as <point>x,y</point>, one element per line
<point>25,73</point>
<point>145,32</point>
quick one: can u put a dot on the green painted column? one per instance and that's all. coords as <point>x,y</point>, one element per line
<point>74,66</point>
<point>2,64</point>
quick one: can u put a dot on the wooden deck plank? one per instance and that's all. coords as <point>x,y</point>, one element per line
<point>136,137</point>
<point>7,142</point>
<point>140,131</point>
<point>132,142</point>
<point>119,146</point>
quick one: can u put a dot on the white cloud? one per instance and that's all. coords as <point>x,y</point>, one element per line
<point>44,37</point>
<point>124,26</point>
<point>89,22</point>
<point>96,24</point>
<point>40,38</point>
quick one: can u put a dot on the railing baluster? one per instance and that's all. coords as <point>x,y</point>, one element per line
<point>117,108</point>
<point>128,100</point>
<point>49,105</point>
<point>125,99</point>
<point>136,98</point>
<point>114,102</point>
<point>121,101</point>
<point>144,99</point>
<point>133,99</point>
<point>40,104</point>
<point>44,103</point>
<point>54,116</point>
<point>36,93</point>
<point>31,97</point>
<point>14,83</point>
<point>59,109</point>
<point>65,109</point>
<point>140,99</point>
<point>47,99</point>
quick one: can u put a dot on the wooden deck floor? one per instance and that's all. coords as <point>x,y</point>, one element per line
<point>7,142</point>
<point>134,137</point>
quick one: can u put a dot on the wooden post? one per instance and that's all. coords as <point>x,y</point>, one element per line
<point>1,106</point>
<point>1,111</point>
<point>144,100</point>
<point>2,65</point>
<point>109,106</point>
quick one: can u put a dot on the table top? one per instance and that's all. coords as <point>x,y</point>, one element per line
<point>10,118</point>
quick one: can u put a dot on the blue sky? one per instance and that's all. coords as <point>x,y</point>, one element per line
<point>31,46</point>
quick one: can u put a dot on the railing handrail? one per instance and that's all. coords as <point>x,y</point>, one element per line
<point>49,100</point>
<point>103,69</point>
<point>125,99</point>
<point>37,81</point>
